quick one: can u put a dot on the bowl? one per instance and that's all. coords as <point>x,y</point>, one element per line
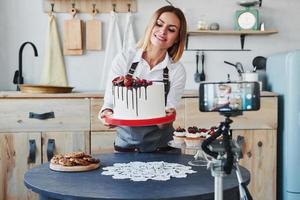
<point>28,88</point>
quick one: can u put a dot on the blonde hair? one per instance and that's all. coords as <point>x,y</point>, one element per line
<point>176,50</point>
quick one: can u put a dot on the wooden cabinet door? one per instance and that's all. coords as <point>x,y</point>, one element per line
<point>260,152</point>
<point>180,115</point>
<point>102,142</point>
<point>96,125</point>
<point>65,142</point>
<point>14,153</point>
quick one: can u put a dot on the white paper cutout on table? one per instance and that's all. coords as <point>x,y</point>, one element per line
<point>143,171</point>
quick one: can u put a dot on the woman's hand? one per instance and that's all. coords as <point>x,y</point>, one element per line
<point>105,113</point>
<point>169,111</point>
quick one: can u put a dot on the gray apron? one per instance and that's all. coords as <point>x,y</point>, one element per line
<point>145,138</point>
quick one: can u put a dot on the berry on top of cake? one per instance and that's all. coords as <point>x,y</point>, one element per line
<point>130,82</point>
<point>179,135</point>
<point>192,137</point>
<point>180,131</point>
<point>204,133</point>
<point>193,132</point>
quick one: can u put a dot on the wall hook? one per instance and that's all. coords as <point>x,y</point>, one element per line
<point>129,7</point>
<point>50,13</point>
<point>52,7</point>
<point>73,7</point>
<point>94,11</point>
<point>73,10</point>
<point>114,7</point>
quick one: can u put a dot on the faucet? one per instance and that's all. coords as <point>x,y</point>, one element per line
<point>18,78</point>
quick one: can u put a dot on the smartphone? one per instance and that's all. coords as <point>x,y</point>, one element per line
<point>229,97</point>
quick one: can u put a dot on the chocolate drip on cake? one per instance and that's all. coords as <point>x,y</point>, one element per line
<point>127,97</point>
<point>145,92</point>
<point>122,95</point>
<point>132,98</point>
<point>136,102</point>
<point>140,92</point>
<point>118,92</point>
<point>113,93</point>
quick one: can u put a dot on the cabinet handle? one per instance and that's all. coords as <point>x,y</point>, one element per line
<point>32,151</point>
<point>249,154</point>
<point>259,144</point>
<point>50,148</point>
<point>42,116</point>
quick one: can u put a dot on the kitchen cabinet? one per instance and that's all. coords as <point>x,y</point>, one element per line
<point>25,121</point>
<point>259,129</point>
<point>75,127</point>
<point>14,157</point>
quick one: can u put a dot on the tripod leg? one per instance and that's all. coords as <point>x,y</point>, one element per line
<point>218,187</point>
<point>244,192</point>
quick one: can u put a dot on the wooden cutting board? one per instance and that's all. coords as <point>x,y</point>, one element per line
<point>61,168</point>
<point>68,40</point>
<point>73,34</point>
<point>93,35</point>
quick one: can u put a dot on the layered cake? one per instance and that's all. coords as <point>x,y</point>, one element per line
<point>179,135</point>
<point>137,98</point>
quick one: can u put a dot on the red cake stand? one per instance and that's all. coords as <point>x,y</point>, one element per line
<point>140,122</point>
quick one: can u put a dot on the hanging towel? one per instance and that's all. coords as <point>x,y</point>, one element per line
<point>113,47</point>
<point>129,39</point>
<point>54,72</point>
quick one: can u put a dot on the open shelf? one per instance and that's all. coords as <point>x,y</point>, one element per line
<point>241,33</point>
<point>231,32</point>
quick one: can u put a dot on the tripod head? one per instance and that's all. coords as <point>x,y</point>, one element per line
<point>226,149</point>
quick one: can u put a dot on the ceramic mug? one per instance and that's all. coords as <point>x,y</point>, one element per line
<point>251,76</point>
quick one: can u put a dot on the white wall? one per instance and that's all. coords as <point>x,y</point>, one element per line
<point>22,21</point>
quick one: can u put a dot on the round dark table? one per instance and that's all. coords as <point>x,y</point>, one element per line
<point>92,185</point>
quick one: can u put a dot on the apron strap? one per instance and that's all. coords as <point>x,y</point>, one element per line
<point>166,83</point>
<point>132,69</point>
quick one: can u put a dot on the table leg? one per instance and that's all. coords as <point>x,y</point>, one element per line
<point>41,197</point>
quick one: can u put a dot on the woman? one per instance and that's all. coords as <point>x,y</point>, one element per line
<point>157,52</point>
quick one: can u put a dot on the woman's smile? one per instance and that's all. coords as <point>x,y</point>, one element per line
<point>160,37</point>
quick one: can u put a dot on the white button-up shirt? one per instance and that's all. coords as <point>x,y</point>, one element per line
<point>122,63</point>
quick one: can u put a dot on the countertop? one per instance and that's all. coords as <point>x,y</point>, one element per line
<point>91,94</point>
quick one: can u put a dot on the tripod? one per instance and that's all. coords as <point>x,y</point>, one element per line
<point>225,157</point>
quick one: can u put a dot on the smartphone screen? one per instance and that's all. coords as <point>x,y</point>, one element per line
<point>227,97</point>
